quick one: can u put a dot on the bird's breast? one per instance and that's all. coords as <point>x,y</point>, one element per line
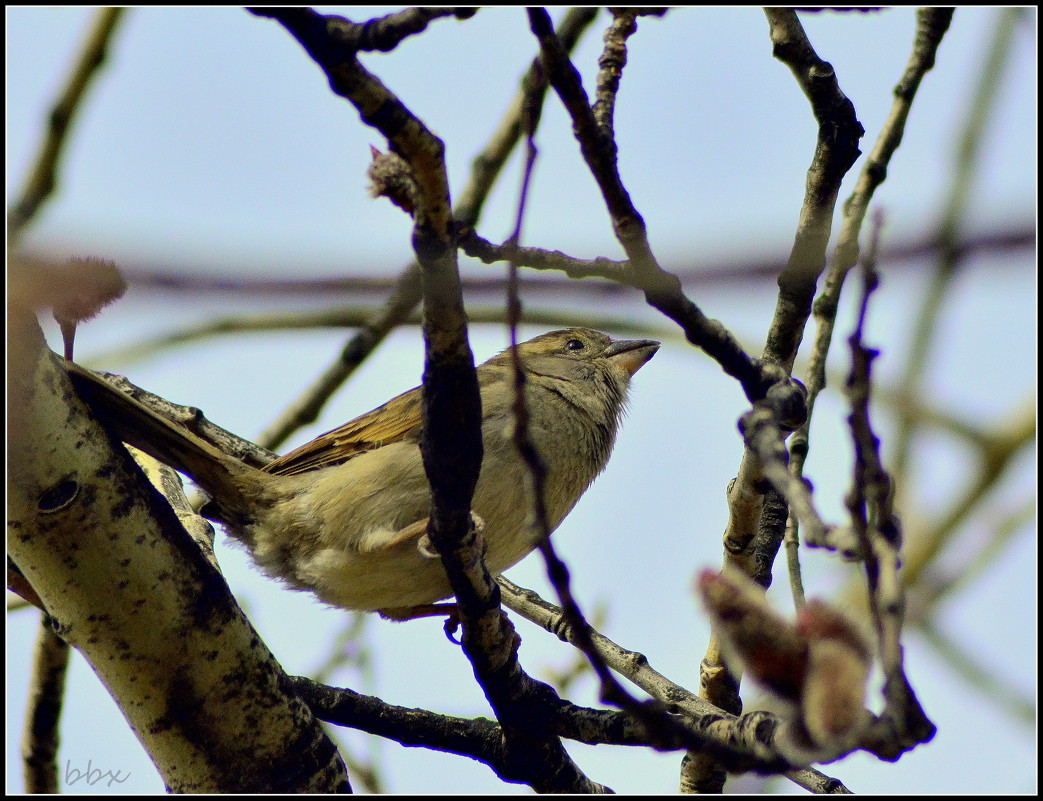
<point>573,454</point>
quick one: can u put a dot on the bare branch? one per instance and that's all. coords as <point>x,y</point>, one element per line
<point>43,178</point>
<point>43,712</point>
<point>171,651</point>
<point>662,290</point>
<point>835,153</point>
<point>903,723</point>
<point>965,164</point>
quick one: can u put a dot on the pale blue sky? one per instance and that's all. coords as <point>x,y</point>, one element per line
<point>212,144</point>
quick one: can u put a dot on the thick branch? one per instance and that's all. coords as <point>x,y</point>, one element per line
<point>162,632</point>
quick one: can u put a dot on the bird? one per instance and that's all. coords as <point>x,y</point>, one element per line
<point>344,516</point>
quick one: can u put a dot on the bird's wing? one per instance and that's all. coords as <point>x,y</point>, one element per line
<point>398,420</point>
<point>415,533</point>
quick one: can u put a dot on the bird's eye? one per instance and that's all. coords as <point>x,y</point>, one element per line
<point>575,344</point>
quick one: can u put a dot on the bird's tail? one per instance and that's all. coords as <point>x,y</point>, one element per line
<point>226,479</point>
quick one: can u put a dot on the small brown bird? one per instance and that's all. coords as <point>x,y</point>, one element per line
<point>344,515</point>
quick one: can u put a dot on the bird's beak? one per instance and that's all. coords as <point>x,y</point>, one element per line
<point>630,355</point>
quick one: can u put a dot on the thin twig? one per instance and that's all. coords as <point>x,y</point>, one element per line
<point>488,164</point>
<point>387,32</point>
<point>610,67</point>
<point>40,735</point>
<point>931,26</point>
<point>662,289</point>
<point>965,165</point>
<point>1005,445</point>
<point>354,317</point>
<point>737,270</point>
<point>43,178</point>
<point>903,724</point>
<point>938,584</point>
<point>372,331</point>
<point>978,670</point>
<point>634,666</point>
